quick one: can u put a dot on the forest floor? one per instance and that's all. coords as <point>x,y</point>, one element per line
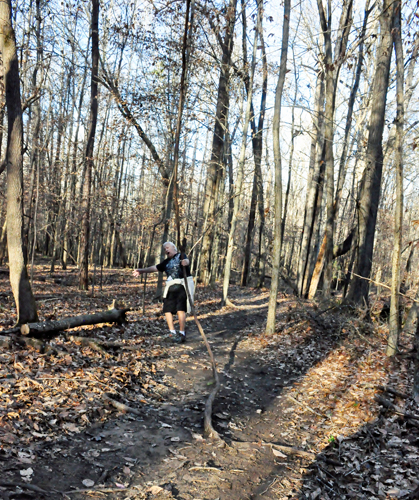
<point>299,412</point>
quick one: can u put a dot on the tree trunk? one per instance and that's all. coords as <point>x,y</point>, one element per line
<point>291,155</point>
<point>332,69</point>
<point>3,242</point>
<point>85,227</point>
<point>182,98</point>
<point>240,167</point>
<point>22,292</point>
<point>216,167</point>
<point>249,232</point>
<point>371,185</point>
<point>257,189</point>
<point>35,145</point>
<point>394,320</point>
<point>313,184</point>
<point>342,163</point>
<point>316,195</point>
<point>276,257</point>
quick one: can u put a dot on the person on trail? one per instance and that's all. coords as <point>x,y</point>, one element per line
<point>175,300</point>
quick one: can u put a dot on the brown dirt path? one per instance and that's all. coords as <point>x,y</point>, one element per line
<point>299,389</point>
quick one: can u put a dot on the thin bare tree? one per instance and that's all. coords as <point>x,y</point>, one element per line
<point>19,280</point>
<point>276,257</point>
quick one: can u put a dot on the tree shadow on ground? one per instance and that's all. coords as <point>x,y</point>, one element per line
<point>271,387</point>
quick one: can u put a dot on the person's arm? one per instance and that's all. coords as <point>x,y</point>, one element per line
<point>151,269</point>
<point>185,262</point>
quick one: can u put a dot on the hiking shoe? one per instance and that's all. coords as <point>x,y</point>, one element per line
<point>179,338</point>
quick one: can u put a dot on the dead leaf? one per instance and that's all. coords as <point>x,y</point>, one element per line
<point>155,490</point>
<point>26,472</point>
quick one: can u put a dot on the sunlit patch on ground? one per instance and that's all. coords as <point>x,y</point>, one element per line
<point>318,378</point>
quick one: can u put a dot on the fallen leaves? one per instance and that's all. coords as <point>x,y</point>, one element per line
<point>44,396</point>
<point>319,378</point>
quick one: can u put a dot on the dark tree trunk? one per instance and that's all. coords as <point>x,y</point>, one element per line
<point>85,227</point>
<point>216,164</point>
<point>19,280</point>
<point>276,257</point>
<point>394,320</point>
<point>313,183</point>
<point>371,182</point>
<point>332,69</point>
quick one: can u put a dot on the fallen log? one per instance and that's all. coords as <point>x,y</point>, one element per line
<point>34,329</point>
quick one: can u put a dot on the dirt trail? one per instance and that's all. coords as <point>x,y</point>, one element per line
<point>263,400</point>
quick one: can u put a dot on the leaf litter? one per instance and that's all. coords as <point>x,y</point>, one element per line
<point>300,411</point>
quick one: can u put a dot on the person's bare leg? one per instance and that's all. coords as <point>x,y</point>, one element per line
<point>181,316</point>
<point>169,320</point>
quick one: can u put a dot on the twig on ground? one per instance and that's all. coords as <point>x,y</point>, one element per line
<point>359,334</point>
<point>306,406</point>
<point>280,447</point>
<point>95,490</point>
<point>209,430</point>
<point>270,486</point>
<point>388,404</point>
<point>290,450</point>
<point>392,391</point>
<point>31,487</point>
<point>320,480</point>
<point>206,469</point>
<point>121,406</point>
<point>363,462</point>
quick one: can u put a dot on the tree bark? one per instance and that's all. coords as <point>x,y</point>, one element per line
<point>371,185</point>
<point>36,329</point>
<point>85,227</point>
<point>313,184</point>
<point>35,145</point>
<point>182,97</point>
<point>332,70</point>
<point>343,158</point>
<point>257,189</point>
<point>276,257</point>
<point>394,320</point>
<point>19,280</point>
<point>240,168</point>
<point>216,165</point>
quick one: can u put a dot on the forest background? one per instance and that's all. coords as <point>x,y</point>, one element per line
<point>278,142</point>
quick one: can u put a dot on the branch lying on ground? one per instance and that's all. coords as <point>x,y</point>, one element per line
<point>121,406</point>
<point>280,447</point>
<point>23,486</point>
<point>392,391</point>
<point>388,404</point>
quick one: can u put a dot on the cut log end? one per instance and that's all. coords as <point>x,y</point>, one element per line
<point>25,330</point>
